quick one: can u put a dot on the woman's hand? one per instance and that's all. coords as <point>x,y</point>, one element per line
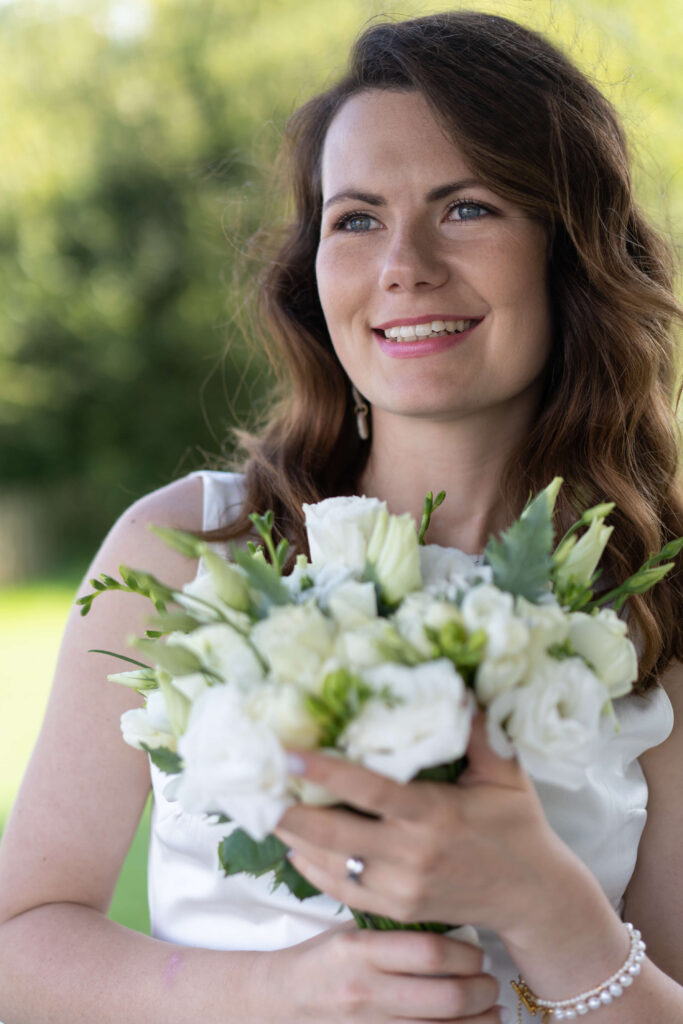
<point>480,852</point>
<point>347,976</point>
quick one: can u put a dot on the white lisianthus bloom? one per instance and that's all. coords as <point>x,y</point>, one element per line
<point>603,641</point>
<point>371,644</point>
<point>448,572</point>
<point>504,663</point>
<point>224,651</point>
<point>429,724</point>
<point>352,604</point>
<point>149,725</point>
<point>554,723</point>
<point>191,686</point>
<point>578,561</point>
<point>547,623</point>
<point>281,706</point>
<point>232,764</point>
<point>480,604</point>
<point>202,601</point>
<point>339,529</point>
<point>419,611</point>
<point>497,675</point>
<point>394,554</point>
<point>296,640</point>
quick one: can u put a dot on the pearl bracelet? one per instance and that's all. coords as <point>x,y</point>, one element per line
<point>601,995</point>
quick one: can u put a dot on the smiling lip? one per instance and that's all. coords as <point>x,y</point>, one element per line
<point>411,321</point>
<point>422,346</point>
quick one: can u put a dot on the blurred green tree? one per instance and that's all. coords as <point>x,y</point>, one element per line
<point>134,138</point>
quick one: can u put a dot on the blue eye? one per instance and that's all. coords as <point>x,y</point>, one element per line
<point>355,222</point>
<point>467,209</point>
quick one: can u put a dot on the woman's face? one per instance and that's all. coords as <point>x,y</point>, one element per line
<point>412,244</point>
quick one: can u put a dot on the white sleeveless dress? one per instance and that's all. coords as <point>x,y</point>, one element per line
<point>193,904</point>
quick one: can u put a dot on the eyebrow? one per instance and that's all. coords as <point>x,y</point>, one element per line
<point>372,199</point>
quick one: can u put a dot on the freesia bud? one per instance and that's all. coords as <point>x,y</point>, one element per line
<point>581,562</point>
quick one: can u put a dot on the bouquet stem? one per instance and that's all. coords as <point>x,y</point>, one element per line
<point>387,924</point>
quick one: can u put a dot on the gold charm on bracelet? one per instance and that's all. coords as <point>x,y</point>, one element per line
<point>525,997</point>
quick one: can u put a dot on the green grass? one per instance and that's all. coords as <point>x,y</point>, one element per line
<point>32,618</point>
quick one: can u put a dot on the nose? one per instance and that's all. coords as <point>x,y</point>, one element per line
<point>412,261</point>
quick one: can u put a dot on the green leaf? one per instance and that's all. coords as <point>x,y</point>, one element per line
<point>186,543</point>
<point>239,853</point>
<point>166,760</point>
<point>175,659</point>
<point>121,657</point>
<point>286,874</point>
<point>173,622</point>
<point>521,558</point>
<point>450,772</point>
<point>263,577</point>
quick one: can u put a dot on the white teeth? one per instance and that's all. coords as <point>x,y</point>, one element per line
<point>436,328</point>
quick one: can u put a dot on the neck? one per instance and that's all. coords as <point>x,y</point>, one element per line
<point>465,458</point>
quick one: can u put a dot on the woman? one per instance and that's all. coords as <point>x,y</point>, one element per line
<point>467,186</point>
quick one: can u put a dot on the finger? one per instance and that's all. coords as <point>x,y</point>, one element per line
<point>359,787</point>
<point>406,952</point>
<point>484,765</point>
<point>439,998</point>
<point>336,830</point>
<point>339,887</point>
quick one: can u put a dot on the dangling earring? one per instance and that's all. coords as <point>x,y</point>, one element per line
<point>361,410</point>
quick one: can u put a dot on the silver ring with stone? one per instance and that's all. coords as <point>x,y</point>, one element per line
<point>355,866</point>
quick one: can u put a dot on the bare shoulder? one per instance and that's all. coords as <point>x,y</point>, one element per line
<point>84,789</point>
<point>178,504</point>
<point>655,894</point>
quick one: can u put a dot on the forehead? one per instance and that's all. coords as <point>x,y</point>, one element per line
<point>385,134</point>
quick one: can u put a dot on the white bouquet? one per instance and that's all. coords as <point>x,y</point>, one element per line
<point>379,649</point>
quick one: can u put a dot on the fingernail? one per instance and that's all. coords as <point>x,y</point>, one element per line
<point>295,764</point>
<point>486,964</point>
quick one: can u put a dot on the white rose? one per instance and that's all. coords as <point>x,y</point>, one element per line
<point>448,572</point>
<point>320,582</point>
<point>603,641</point>
<point>232,765</point>
<point>296,640</point>
<point>420,611</point>
<point>191,686</point>
<point>149,725</point>
<point>394,554</point>
<point>429,725</point>
<point>507,638</point>
<point>496,675</point>
<point>281,706</point>
<point>481,603</point>
<point>373,643</point>
<point>547,623</point>
<point>554,723</point>
<point>339,529</point>
<point>352,604</point>
<point>224,651</point>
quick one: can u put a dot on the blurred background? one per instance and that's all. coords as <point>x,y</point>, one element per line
<point>136,138</point>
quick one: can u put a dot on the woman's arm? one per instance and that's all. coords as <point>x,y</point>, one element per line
<point>76,814</point>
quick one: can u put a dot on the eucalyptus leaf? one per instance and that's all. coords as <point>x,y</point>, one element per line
<point>166,760</point>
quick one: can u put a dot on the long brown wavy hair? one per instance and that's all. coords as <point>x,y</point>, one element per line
<point>536,131</point>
